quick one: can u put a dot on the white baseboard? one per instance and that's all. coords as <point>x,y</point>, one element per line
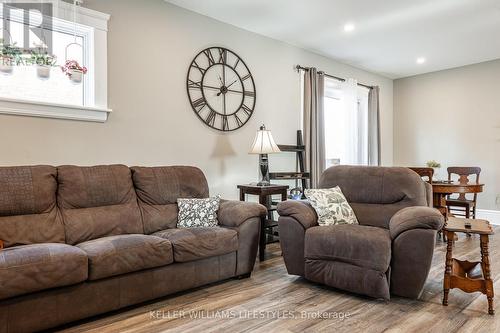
<point>491,215</point>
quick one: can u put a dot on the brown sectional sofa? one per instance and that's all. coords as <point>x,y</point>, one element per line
<point>81,241</point>
<point>390,250</point>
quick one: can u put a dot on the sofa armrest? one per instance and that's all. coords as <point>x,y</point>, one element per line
<point>300,210</point>
<point>233,213</point>
<point>418,217</point>
<point>245,218</point>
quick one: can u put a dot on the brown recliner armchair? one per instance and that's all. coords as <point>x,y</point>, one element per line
<point>389,252</point>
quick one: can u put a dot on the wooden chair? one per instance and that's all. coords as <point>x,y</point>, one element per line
<point>424,172</point>
<point>429,173</point>
<point>461,205</point>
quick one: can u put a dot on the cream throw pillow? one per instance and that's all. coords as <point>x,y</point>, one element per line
<point>331,206</point>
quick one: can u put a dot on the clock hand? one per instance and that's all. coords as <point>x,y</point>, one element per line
<point>211,87</point>
<point>223,75</point>
<point>232,83</point>
<point>220,80</point>
<point>235,91</point>
<point>230,90</point>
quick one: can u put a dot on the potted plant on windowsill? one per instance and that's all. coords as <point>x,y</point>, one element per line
<point>8,56</point>
<point>74,71</point>
<point>44,62</point>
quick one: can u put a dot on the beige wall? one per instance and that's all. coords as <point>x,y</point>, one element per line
<point>452,116</point>
<point>151,44</point>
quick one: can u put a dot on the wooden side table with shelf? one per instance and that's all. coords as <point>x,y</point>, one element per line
<point>264,193</point>
<point>465,275</point>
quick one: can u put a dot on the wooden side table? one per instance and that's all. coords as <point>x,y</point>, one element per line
<point>264,193</point>
<point>465,275</point>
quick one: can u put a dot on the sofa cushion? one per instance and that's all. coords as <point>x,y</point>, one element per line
<point>29,268</point>
<point>363,246</point>
<point>115,255</point>
<point>158,189</point>
<point>28,211</point>
<point>97,201</point>
<point>197,243</point>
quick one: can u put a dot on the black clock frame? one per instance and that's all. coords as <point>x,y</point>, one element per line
<point>196,103</point>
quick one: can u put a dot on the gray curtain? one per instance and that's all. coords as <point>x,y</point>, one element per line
<point>313,123</point>
<point>373,127</point>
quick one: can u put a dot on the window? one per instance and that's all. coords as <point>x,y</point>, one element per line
<point>346,123</point>
<point>23,82</point>
<point>24,92</point>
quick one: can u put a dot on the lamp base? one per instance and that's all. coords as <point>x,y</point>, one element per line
<point>264,170</point>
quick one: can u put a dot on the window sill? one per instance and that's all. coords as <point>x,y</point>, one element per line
<point>52,110</point>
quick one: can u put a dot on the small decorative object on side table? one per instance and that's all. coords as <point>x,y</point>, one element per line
<point>264,193</point>
<point>465,275</point>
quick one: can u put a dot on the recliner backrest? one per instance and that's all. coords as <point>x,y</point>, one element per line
<point>97,201</point>
<point>28,210</point>
<point>376,193</point>
<point>158,189</point>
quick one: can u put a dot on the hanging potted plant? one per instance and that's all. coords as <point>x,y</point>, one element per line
<point>74,71</point>
<point>44,62</point>
<point>8,57</point>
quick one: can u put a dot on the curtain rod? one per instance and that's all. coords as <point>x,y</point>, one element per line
<point>299,67</point>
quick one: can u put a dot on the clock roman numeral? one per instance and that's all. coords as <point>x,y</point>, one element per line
<point>210,57</point>
<point>249,93</point>
<point>210,120</point>
<point>238,120</point>
<point>201,69</point>
<point>222,56</point>
<point>236,63</point>
<point>245,77</point>
<point>194,84</point>
<point>247,110</point>
<point>225,123</point>
<point>199,104</point>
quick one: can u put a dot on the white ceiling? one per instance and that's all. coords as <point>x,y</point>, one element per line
<point>389,35</point>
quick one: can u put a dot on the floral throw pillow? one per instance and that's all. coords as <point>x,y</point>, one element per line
<point>331,206</point>
<point>195,213</point>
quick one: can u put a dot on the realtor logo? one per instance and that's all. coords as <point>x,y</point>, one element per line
<point>35,20</point>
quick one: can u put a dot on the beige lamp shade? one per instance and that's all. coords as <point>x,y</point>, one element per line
<point>264,143</point>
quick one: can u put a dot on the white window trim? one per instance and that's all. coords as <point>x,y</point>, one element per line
<point>96,92</point>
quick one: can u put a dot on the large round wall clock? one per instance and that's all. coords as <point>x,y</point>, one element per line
<point>221,89</point>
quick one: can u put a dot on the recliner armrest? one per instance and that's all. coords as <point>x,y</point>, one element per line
<point>418,217</point>
<point>233,213</point>
<point>300,210</point>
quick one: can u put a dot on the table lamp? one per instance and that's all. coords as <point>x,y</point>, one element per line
<point>264,144</point>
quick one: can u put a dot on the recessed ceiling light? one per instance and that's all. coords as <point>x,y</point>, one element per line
<point>348,27</point>
<point>420,60</point>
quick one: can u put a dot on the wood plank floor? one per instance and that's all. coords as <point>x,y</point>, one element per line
<point>273,301</point>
